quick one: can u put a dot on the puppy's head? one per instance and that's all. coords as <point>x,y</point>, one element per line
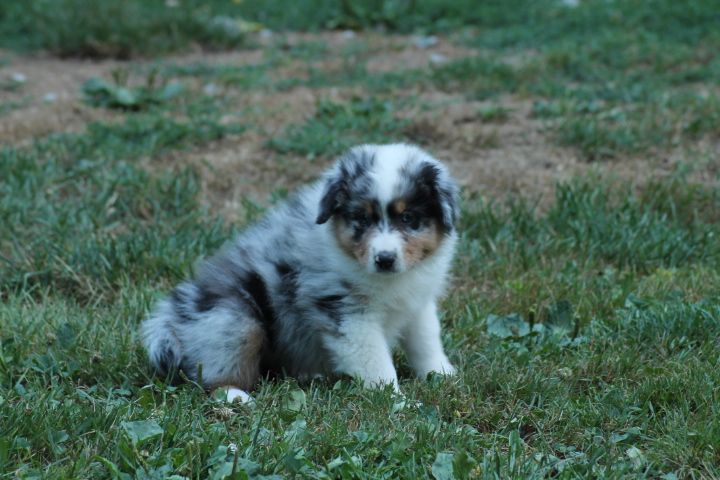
<point>390,206</point>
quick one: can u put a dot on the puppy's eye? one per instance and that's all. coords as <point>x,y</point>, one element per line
<point>409,218</point>
<point>362,219</point>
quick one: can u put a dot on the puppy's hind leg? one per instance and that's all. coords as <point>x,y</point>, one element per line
<point>223,346</point>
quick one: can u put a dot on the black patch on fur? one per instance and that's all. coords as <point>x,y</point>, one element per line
<point>259,299</point>
<point>283,269</point>
<point>360,215</point>
<point>428,175</point>
<point>168,365</point>
<point>206,299</point>
<point>181,305</point>
<point>358,232</point>
<point>339,304</point>
<point>444,194</point>
<point>166,360</point>
<point>350,181</point>
<point>288,281</point>
<point>177,297</point>
<point>428,198</point>
<point>331,199</point>
<point>332,305</point>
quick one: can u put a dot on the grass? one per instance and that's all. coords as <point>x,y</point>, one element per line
<point>640,63</point>
<point>87,200</point>
<point>236,76</point>
<point>403,16</point>
<point>103,29</point>
<point>8,107</point>
<point>619,78</point>
<point>585,332</point>
<point>636,277</point>
<point>338,126</point>
<point>118,94</point>
<point>71,28</point>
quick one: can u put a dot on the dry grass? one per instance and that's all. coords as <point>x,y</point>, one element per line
<point>509,156</point>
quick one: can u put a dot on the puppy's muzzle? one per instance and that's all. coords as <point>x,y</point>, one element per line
<point>385,261</point>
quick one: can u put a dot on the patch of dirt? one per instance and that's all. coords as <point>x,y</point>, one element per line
<point>241,170</point>
<point>380,53</point>
<point>515,154</point>
<point>406,54</point>
<point>510,154</point>
<point>240,57</point>
<point>272,112</point>
<point>38,120</point>
<point>48,100</point>
<point>496,158</point>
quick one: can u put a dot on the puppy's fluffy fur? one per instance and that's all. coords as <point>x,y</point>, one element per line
<point>326,284</point>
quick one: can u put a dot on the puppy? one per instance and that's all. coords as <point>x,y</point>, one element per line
<point>326,284</point>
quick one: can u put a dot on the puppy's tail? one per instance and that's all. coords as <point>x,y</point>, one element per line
<point>160,341</point>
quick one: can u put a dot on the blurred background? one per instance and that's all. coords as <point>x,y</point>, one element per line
<point>514,94</point>
<point>139,135</point>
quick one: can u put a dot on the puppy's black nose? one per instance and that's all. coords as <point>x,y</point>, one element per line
<point>385,261</point>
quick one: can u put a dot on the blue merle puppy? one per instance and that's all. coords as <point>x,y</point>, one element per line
<point>326,284</point>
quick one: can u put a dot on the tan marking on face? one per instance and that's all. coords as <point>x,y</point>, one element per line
<point>344,235</point>
<point>420,245</point>
<point>399,206</point>
<point>369,209</point>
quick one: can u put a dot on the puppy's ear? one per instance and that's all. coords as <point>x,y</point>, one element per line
<point>332,197</point>
<point>449,202</point>
<point>349,168</point>
<point>445,190</point>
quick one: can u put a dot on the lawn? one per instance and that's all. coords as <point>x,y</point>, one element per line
<point>584,312</point>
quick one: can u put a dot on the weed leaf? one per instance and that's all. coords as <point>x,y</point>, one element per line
<point>295,401</point>
<point>115,472</point>
<point>507,326</point>
<point>442,467</point>
<point>559,317</point>
<point>296,431</point>
<point>142,430</point>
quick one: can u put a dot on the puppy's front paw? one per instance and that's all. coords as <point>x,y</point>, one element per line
<point>380,383</point>
<point>445,368</point>
<point>440,367</point>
